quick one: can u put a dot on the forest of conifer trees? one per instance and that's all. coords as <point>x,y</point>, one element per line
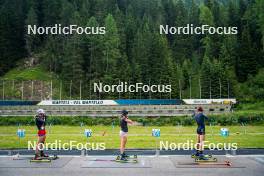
<point>133,50</point>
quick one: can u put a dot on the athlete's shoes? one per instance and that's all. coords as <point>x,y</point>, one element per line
<point>203,157</point>
<point>42,154</point>
<point>123,159</point>
<point>37,157</point>
<point>125,155</point>
<point>197,154</point>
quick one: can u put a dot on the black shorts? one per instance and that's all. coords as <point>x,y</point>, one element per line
<point>201,131</point>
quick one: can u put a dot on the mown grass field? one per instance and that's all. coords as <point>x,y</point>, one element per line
<point>139,137</point>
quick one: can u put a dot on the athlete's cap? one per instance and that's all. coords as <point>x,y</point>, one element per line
<point>40,111</point>
<point>200,109</point>
<point>124,112</point>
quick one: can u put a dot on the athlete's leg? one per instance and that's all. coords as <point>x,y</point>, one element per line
<point>123,144</point>
<point>41,142</point>
<point>198,142</point>
<point>202,138</point>
<point>123,140</point>
<point>37,147</point>
<point>42,151</point>
<point>40,145</point>
<point>198,145</point>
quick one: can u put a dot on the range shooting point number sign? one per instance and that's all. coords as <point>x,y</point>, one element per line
<point>156,132</point>
<point>224,132</point>
<point>88,132</point>
<point>21,133</point>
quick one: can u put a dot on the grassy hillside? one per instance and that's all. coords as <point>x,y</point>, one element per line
<point>32,83</point>
<point>35,73</point>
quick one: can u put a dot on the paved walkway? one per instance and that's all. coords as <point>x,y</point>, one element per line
<point>242,165</point>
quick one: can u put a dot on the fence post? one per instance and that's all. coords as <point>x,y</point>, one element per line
<point>200,86</point>
<point>80,89</point>
<point>32,89</point>
<point>228,89</point>
<point>220,88</point>
<point>41,90</point>
<point>129,91</point>
<point>210,90</point>
<point>171,90</point>
<point>22,91</point>
<point>180,89</point>
<point>149,91</point>
<point>190,83</point>
<point>90,94</point>
<point>3,96</point>
<point>60,89</point>
<point>71,90</point>
<point>119,93</point>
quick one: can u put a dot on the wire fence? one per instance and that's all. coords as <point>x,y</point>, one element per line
<point>78,89</point>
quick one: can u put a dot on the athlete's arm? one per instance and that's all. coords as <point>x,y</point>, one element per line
<point>45,118</point>
<point>205,117</point>
<point>39,119</point>
<point>193,114</point>
<point>128,121</point>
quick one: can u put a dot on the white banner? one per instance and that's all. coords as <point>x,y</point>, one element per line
<point>209,101</point>
<point>77,102</point>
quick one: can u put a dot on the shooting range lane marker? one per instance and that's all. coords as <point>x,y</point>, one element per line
<point>21,134</point>
<point>156,134</point>
<point>110,162</point>
<point>223,162</point>
<point>224,132</point>
<point>8,162</point>
<point>88,133</point>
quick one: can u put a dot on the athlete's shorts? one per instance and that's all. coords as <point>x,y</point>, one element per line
<point>122,133</point>
<point>201,131</point>
<point>41,132</point>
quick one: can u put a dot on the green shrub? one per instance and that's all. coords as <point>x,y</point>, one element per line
<point>223,119</point>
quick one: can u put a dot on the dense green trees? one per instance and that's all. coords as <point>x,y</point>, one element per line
<point>12,36</point>
<point>132,49</point>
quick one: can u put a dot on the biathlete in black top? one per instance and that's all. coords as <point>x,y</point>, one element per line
<point>40,120</point>
<point>200,120</point>
<point>123,133</point>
